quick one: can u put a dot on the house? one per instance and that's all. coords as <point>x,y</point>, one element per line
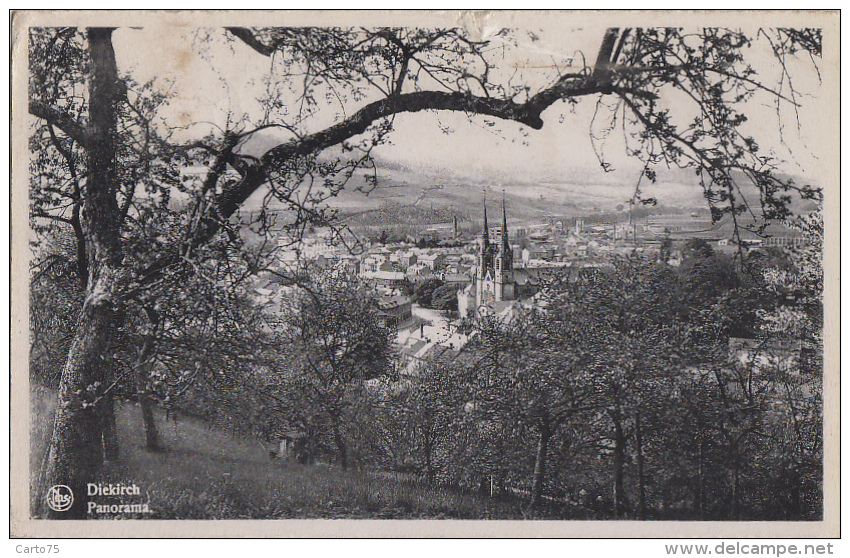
<point>457,279</point>
<point>419,272</point>
<point>386,266</point>
<point>407,259</point>
<point>453,259</point>
<point>433,260</point>
<point>384,278</point>
<point>545,253</point>
<point>371,263</point>
<point>395,309</point>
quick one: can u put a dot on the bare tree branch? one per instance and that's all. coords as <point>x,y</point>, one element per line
<point>61,120</point>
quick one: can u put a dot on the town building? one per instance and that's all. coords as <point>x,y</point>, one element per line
<point>394,310</point>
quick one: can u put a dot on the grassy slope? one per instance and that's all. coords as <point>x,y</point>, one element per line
<point>206,474</point>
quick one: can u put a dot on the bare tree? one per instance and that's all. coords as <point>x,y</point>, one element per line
<point>336,328</point>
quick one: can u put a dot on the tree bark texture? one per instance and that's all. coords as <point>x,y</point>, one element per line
<point>142,372</point>
<point>76,446</point>
<point>734,473</point>
<point>429,465</point>
<point>149,424</point>
<point>700,480</point>
<point>641,480</point>
<point>110,430</point>
<point>342,451</point>
<point>539,477</point>
<point>620,505</point>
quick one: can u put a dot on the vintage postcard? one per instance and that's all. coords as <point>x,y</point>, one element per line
<point>391,274</point>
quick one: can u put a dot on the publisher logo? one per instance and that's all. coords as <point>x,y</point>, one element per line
<point>60,498</point>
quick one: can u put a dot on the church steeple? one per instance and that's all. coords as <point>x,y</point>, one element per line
<point>505,251</point>
<point>485,234</point>
<point>506,247</point>
<point>484,258</point>
<point>495,278</point>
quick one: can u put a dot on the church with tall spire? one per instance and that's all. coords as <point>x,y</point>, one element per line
<point>494,280</point>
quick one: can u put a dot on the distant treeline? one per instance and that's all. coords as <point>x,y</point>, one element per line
<point>397,214</point>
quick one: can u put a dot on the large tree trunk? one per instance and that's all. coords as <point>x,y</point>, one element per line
<point>76,449</point>
<point>539,477</point>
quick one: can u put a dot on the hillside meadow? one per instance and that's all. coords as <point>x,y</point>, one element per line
<point>208,474</point>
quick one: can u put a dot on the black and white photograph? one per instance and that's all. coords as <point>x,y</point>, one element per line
<point>547,271</point>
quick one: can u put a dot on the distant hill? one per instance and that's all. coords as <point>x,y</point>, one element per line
<point>573,193</point>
